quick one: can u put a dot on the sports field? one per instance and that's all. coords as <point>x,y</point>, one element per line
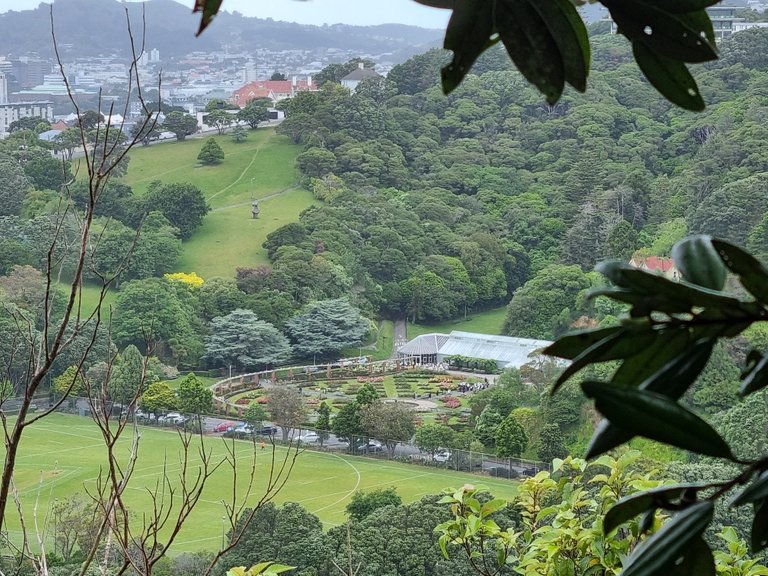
<point>62,454</point>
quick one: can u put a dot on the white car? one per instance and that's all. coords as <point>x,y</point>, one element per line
<point>442,455</point>
<point>307,437</point>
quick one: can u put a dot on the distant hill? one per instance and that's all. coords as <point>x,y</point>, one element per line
<point>97,27</point>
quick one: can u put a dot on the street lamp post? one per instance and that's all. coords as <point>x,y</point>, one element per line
<point>230,370</point>
<point>223,518</point>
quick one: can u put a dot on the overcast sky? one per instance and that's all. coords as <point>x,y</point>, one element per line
<point>361,12</point>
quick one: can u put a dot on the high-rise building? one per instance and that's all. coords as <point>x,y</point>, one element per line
<point>3,89</point>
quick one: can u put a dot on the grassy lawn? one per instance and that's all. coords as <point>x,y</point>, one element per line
<point>488,322</point>
<point>229,238</point>
<point>261,165</point>
<point>381,348</point>
<point>261,168</point>
<point>62,454</point>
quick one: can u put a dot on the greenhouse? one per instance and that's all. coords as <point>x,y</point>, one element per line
<point>506,351</point>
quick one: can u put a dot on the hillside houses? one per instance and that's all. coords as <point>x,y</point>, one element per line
<point>275,90</point>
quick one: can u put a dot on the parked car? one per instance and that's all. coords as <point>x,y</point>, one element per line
<point>307,437</point>
<point>442,455</point>
<point>239,431</point>
<point>370,446</point>
<point>223,426</point>
<point>267,430</point>
<point>172,418</point>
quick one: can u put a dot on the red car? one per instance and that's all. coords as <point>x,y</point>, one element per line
<point>223,426</point>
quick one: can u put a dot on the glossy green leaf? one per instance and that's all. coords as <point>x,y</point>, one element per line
<point>659,553</point>
<point>606,437</point>
<point>697,560</point>
<point>677,376</point>
<point>677,37</point>
<point>670,348</point>
<point>568,30</point>
<point>629,507</point>
<point>209,9</point>
<point>699,20</point>
<point>531,46</point>
<point>467,36</point>
<point>680,296</point>
<point>757,490</point>
<point>647,521</point>
<point>571,345</point>
<point>751,272</point>
<point>668,367</point>
<point>755,377</point>
<point>699,262</point>
<point>670,77</point>
<point>492,506</point>
<point>759,535</point>
<point>655,416</point>
<point>617,346</point>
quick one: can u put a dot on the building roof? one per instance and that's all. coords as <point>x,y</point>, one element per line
<point>423,345</point>
<point>655,263</point>
<point>360,74</point>
<point>505,350</point>
<point>49,135</point>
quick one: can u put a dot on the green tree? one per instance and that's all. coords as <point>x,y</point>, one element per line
<point>182,125</point>
<point>219,119</point>
<point>194,397</point>
<point>323,424</point>
<point>219,297</point>
<point>389,422</point>
<point>511,439</point>
<point>363,504</point>
<point>35,123</point>
<point>159,397</point>
<point>278,76</point>
<point>255,415</point>
<point>71,381</point>
<point>145,132</point>
<point>241,340</point>
<point>68,141</point>
<point>130,376</point>
<point>239,134</point>
<point>326,327</point>
<point>286,408</point>
<point>152,312</point>
<point>211,153</point>
<point>183,204</point>
<point>551,444</point>
<point>487,426</point>
<point>48,173</point>
<point>255,112</point>
<point>430,437</point>
<point>287,535</point>
<point>13,185</point>
<point>547,303</point>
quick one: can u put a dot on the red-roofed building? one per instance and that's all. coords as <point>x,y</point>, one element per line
<point>275,90</point>
<point>660,265</point>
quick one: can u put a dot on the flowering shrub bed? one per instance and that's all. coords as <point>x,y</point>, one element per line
<point>451,402</point>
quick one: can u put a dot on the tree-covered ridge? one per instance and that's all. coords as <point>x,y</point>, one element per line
<point>437,204</point>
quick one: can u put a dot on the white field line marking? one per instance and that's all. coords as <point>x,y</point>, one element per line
<point>348,494</point>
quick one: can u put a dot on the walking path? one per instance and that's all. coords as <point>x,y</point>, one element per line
<point>400,335</point>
